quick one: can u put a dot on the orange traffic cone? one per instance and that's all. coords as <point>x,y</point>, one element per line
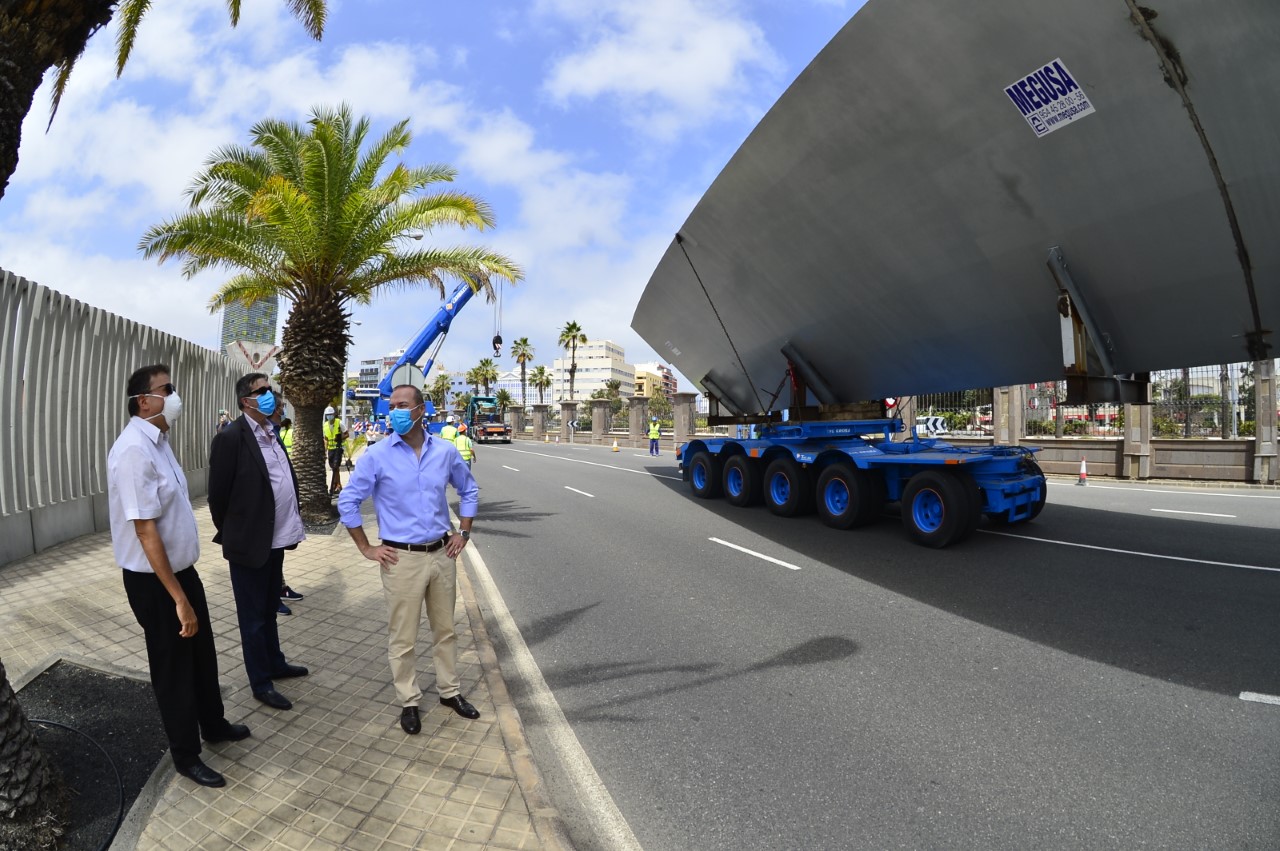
<point>1084,473</point>
<point>546,438</point>
<point>615,444</point>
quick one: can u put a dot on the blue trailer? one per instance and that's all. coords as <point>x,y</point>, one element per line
<point>848,471</point>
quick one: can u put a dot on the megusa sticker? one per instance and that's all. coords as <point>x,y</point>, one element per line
<point>1049,98</point>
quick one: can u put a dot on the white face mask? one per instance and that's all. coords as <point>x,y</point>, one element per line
<point>172,407</point>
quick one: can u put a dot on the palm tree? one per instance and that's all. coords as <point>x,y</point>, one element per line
<point>522,351</point>
<point>35,37</point>
<point>461,401</point>
<point>487,372</point>
<point>439,391</point>
<point>473,378</point>
<point>504,399</point>
<point>313,214</point>
<point>541,381</point>
<point>571,337</point>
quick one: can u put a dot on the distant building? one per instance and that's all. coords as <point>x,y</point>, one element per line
<point>253,324</point>
<point>660,380</point>
<point>598,361</point>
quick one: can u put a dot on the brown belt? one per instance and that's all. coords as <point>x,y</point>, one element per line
<point>418,548</point>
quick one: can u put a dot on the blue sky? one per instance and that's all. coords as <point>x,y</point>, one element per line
<point>591,126</point>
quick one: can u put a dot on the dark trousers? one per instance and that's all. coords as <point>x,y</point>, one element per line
<point>184,671</point>
<point>257,591</point>
<point>653,446</point>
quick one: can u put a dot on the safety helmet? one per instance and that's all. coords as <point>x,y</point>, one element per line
<point>330,410</point>
<point>653,419</point>
<point>462,428</point>
<point>450,419</point>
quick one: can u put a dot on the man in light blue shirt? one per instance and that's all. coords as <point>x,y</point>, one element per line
<point>406,476</point>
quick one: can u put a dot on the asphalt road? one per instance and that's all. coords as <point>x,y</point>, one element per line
<point>1073,684</point>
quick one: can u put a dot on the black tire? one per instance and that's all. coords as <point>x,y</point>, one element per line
<point>847,497</point>
<point>704,475</point>
<point>976,499</point>
<point>936,509</point>
<point>741,481</point>
<point>1001,518</point>
<point>787,488</point>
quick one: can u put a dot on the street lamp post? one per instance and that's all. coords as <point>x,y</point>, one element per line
<point>346,376</point>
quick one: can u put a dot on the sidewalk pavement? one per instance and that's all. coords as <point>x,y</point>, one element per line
<point>336,771</point>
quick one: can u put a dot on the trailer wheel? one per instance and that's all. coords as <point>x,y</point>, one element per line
<point>974,493</point>
<point>847,497</point>
<point>936,510</point>
<point>1001,518</point>
<point>788,490</point>
<point>741,481</point>
<point>704,475</point>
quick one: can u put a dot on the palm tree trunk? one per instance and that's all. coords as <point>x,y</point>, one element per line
<point>24,773</point>
<point>33,38</point>
<point>524,390</point>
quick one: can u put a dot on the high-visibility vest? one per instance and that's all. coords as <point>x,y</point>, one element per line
<point>332,431</point>
<point>448,433</point>
<point>654,433</point>
<point>464,446</point>
<point>286,437</point>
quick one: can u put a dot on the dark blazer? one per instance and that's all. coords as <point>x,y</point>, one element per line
<point>240,497</point>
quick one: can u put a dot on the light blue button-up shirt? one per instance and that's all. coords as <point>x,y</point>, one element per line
<point>408,490</point>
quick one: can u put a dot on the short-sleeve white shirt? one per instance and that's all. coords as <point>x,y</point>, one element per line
<point>145,482</point>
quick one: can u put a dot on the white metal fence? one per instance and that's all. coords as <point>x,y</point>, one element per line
<point>63,369</point>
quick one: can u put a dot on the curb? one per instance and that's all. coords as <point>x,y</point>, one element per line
<point>547,822</point>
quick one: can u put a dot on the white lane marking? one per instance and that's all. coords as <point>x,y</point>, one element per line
<point>575,490</point>
<point>581,448</point>
<point>638,455</point>
<point>1196,513</point>
<point>1131,552</point>
<point>607,821</point>
<point>1260,698</point>
<point>753,553</point>
<point>512,469</point>
<point>1171,492</point>
<point>598,464</point>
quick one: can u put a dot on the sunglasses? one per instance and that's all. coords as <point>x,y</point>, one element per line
<point>168,389</point>
<point>261,391</point>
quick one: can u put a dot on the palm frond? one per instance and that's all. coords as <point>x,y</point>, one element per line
<point>130,14</point>
<point>312,13</point>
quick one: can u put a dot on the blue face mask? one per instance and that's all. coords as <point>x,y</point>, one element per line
<point>402,420</point>
<point>267,404</point>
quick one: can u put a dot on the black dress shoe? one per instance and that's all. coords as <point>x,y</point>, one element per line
<point>289,671</point>
<point>459,704</point>
<point>201,773</point>
<point>232,733</point>
<point>274,699</point>
<point>409,721</point>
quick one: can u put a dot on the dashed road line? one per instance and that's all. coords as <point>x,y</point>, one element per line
<point>1260,698</point>
<point>575,490</point>
<point>1196,513</point>
<point>754,553</point>
<point>598,464</point>
<point>512,469</point>
<point>1131,552</point>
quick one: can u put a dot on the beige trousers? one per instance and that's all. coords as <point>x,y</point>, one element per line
<point>419,577</point>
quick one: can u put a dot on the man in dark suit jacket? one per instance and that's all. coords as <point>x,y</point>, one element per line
<point>253,497</point>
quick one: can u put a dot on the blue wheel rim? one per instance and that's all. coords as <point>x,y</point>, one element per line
<point>733,481</point>
<point>927,511</point>
<point>699,475</point>
<point>836,496</point>
<point>780,489</point>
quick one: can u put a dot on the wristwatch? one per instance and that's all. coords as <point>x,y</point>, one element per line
<point>466,534</point>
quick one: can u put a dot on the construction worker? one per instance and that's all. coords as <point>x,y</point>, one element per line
<point>334,437</point>
<point>654,434</point>
<point>466,448</point>
<point>286,435</point>
<point>450,430</point>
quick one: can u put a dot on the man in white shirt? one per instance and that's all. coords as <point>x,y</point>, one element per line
<point>154,538</point>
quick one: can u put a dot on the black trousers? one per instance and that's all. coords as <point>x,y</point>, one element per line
<point>257,591</point>
<point>184,671</point>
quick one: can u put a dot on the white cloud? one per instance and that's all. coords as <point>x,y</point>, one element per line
<point>670,64</point>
